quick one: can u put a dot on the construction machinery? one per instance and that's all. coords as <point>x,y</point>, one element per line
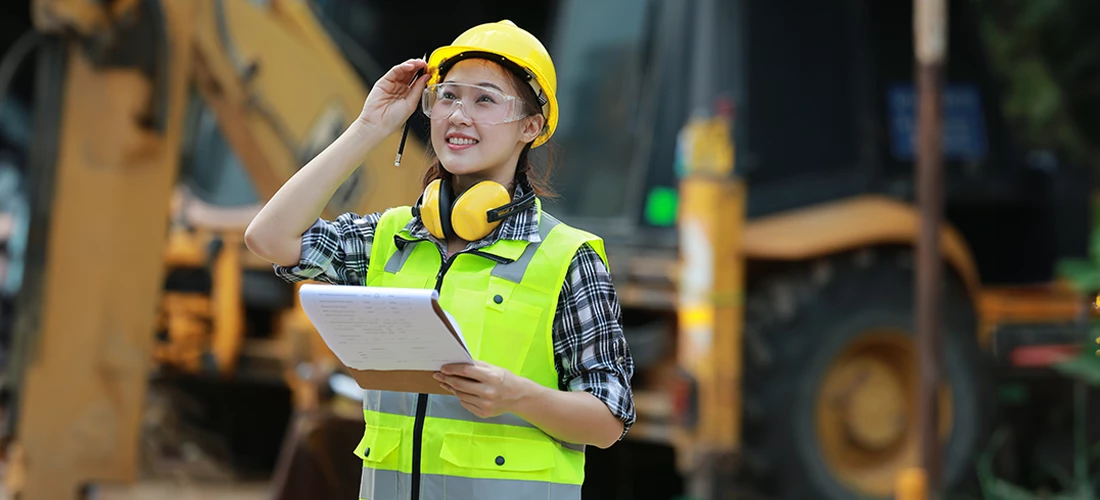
<point>749,164</point>
<point>123,96</point>
<point>769,225</point>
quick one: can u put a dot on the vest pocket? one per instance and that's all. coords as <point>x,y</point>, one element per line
<point>496,453</point>
<point>508,332</point>
<point>377,446</point>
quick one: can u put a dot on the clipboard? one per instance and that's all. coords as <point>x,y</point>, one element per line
<point>389,339</point>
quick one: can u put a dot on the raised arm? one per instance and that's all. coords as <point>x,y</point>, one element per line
<point>275,234</point>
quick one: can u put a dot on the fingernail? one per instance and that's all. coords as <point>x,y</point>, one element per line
<point>437,377</point>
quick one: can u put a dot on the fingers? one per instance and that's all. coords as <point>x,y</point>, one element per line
<point>403,73</point>
<point>475,408</point>
<point>463,384</point>
<point>475,404</point>
<point>480,372</point>
<point>416,89</point>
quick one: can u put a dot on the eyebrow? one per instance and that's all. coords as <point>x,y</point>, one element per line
<point>490,84</point>
<point>483,84</point>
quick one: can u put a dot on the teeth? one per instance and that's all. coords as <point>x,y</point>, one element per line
<point>460,141</point>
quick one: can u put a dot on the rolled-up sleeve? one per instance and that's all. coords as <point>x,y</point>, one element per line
<point>335,252</point>
<point>591,352</point>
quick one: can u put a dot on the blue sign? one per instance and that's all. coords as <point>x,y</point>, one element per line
<point>964,135</point>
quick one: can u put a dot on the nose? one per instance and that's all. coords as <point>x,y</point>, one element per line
<point>459,111</point>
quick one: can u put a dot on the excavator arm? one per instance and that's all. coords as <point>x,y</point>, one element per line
<point>111,91</point>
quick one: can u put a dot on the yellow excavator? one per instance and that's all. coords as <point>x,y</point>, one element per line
<point>120,94</point>
<point>767,295</point>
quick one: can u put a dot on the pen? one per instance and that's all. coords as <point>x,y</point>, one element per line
<point>405,131</point>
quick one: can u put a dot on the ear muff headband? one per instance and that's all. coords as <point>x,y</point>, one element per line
<point>504,211</point>
<point>446,208</point>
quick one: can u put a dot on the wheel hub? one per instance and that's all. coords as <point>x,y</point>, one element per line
<point>866,409</point>
<point>874,413</point>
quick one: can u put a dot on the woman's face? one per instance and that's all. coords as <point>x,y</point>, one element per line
<point>465,141</point>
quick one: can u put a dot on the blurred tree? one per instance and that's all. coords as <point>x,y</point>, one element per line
<point>1048,54</point>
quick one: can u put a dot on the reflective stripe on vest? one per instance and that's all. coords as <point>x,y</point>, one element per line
<point>388,484</point>
<point>504,297</point>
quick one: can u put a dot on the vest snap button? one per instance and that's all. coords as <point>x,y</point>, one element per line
<point>366,452</point>
<point>500,460</point>
<point>498,299</point>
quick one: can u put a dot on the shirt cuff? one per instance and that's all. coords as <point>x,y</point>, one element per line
<point>312,264</point>
<point>612,391</point>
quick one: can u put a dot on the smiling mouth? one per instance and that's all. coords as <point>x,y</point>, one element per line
<point>461,141</point>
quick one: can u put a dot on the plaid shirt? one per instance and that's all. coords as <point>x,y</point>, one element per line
<point>591,353</point>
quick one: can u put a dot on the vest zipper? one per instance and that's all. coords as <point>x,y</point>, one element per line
<point>418,439</point>
<point>422,399</point>
<point>494,258</point>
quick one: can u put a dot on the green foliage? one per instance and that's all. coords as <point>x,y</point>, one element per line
<point>1084,274</point>
<point>1083,370</point>
<point>1047,54</point>
<point>1085,367</point>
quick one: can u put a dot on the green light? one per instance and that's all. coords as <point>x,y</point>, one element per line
<point>661,205</point>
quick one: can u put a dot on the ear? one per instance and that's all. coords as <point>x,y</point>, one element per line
<point>532,127</point>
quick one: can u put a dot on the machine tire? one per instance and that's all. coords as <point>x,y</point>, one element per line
<point>797,324</point>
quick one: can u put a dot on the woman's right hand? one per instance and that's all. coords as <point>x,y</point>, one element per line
<point>392,100</point>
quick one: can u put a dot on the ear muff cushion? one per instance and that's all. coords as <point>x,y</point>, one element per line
<point>446,207</point>
<point>469,219</point>
<point>429,210</point>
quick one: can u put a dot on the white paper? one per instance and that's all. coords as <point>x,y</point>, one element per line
<point>373,328</point>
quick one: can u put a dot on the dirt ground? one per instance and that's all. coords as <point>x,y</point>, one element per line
<point>172,490</point>
<point>181,490</point>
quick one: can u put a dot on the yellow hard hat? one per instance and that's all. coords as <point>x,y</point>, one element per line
<point>506,43</point>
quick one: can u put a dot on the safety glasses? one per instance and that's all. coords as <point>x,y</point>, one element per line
<point>481,104</point>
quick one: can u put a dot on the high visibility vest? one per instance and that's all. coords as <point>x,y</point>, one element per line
<point>504,297</point>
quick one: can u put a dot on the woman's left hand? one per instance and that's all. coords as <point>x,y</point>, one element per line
<point>486,390</point>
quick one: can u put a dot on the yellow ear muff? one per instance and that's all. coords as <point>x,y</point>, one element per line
<point>430,210</point>
<point>468,216</point>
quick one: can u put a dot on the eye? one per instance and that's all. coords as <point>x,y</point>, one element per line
<point>486,98</point>
<point>447,94</point>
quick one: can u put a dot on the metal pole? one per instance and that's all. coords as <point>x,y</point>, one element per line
<point>929,17</point>
<point>703,82</point>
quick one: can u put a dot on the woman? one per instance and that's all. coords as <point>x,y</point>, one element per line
<point>532,295</point>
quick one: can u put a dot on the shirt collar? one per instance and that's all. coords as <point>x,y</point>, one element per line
<point>522,226</point>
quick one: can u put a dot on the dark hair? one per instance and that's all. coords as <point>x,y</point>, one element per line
<point>540,181</point>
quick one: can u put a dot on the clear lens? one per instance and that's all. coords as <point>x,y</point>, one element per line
<point>480,103</point>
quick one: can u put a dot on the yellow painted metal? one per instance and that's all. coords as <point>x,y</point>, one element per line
<point>93,348</point>
<point>184,316</point>
<point>708,148</point>
<point>83,387</point>
<point>1052,303</point>
<point>874,416</point>
<point>849,224</point>
<point>228,334</point>
<point>709,304</point>
<point>912,485</point>
<point>866,411</point>
<point>197,323</point>
<point>266,108</point>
